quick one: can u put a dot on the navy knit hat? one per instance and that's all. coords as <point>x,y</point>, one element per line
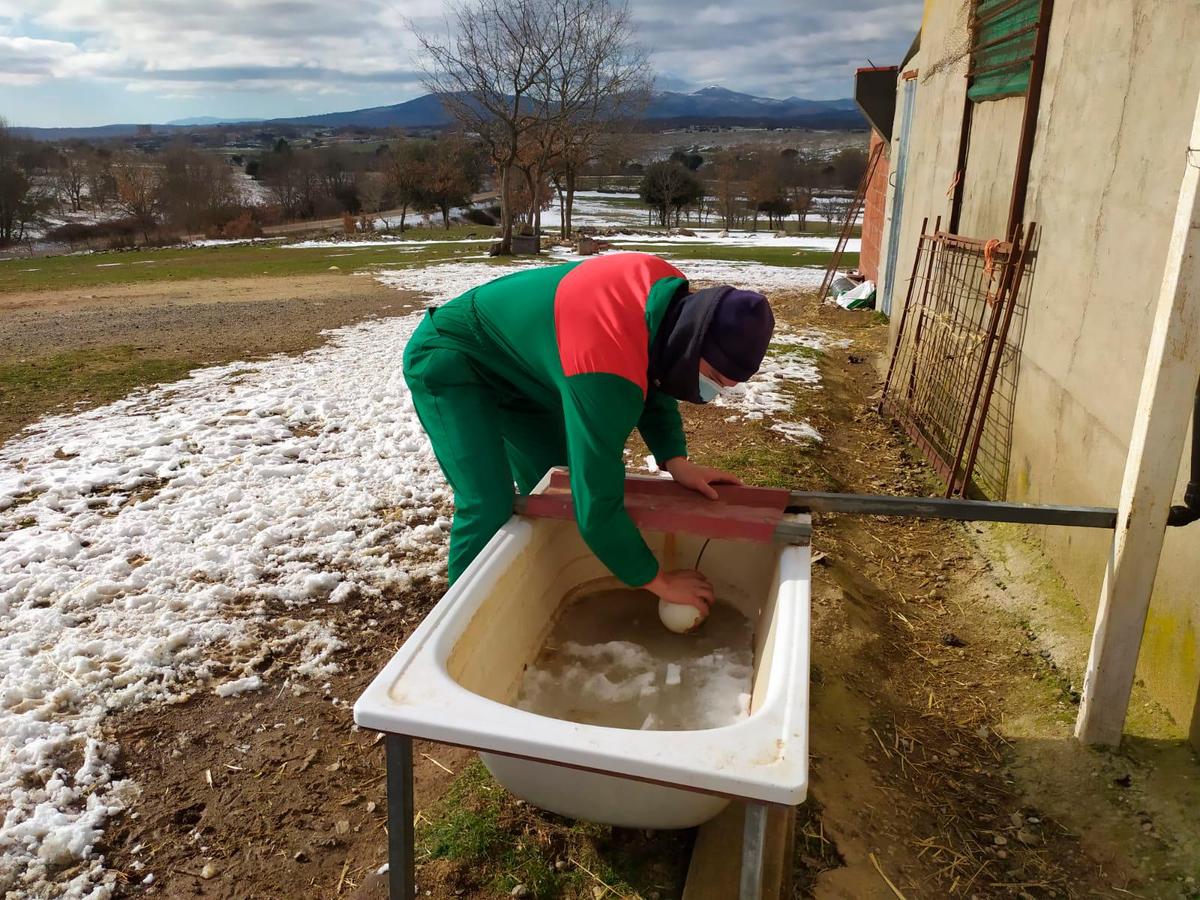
<point>737,337</point>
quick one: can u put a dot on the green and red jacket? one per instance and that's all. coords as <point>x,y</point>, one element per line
<point>575,339</point>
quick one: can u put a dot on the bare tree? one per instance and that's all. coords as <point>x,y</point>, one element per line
<point>596,78</point>
<point>404,174</point>
<point>483,75</point>
<point>22,204</point>
<point>138,192</point>
<point>101,186</point>
<point>517,72</point>
<point>195,190</point>
<point>71,177</point>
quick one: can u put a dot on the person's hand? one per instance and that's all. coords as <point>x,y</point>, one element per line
<point>698,478</point>
<point>686,586</point>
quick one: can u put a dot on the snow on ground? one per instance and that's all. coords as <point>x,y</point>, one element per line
<point>768,395</point>
<point>443,281</point>
<point>140,542</point>
<point>229,242</point>
<point>738,239</point>
<point>381,241</point>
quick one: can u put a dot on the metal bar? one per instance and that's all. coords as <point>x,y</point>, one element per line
<point>754,840</point>
<point>969,243</point>
<point>1014,297</point>
<point>1033,100</point>
<point>933,253</point>
<point>848,224</point>
<point>401,840</point>
<point>957,509</point>
<point>912,281</point>
<point>985,355</point>
<point>964,144</point>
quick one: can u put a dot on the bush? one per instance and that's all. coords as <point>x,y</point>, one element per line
<point>116,233</point>
<point>480,217</point>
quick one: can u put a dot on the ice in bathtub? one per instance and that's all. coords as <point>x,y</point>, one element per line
<point>609,661</point>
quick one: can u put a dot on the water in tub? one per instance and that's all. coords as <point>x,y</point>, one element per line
<point>609,661</point>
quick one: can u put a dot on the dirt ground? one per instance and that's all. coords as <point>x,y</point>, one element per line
<point>943,691</point>
<point>49,339</point>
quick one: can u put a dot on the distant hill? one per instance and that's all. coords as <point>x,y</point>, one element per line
<point>705,106</point>
<point>708,106</point>
<point>210,120</point>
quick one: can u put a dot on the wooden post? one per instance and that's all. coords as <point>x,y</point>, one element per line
<point>1151,470</point>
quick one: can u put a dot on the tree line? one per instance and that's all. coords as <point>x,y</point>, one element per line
<point>741,184</point>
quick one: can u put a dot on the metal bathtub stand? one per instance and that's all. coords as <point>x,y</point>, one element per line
<point>402,839</point>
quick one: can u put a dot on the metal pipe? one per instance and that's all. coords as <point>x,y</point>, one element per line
<point>754,840</point>
<point>957,509</point>
<point>401,840</point>
<point>1189,512</point>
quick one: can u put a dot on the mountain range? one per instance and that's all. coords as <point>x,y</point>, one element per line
<point>711,105</point>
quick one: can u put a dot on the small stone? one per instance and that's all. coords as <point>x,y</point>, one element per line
<point>1002,854</point>
<point>1033,820</point>
<point>519,891</point>
<point>300,856</point>
<point>1026,837</point>
<point>208,871</point>
<point>1000,840</point>
<point>560,865</point>
<point>342,826</point>
<point>1147,827</point>
<point>371,806</point>
<point>1017,819</point>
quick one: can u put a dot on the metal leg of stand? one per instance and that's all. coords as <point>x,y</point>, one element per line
<point>754,839</point>
<point>401,851</point>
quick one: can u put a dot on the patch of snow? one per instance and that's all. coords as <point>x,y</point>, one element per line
<point>381,241</point>
<point>738,239</point>
<point>229,242</point>
<point>141,543</point>
<point>766,395</point>
<point>240,686</point>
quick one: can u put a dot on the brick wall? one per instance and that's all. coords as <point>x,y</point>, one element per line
<point>872,229</point>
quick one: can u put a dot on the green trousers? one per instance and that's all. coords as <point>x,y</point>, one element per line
<point>484,438</point>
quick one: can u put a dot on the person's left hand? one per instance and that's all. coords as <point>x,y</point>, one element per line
<point>698,478</point>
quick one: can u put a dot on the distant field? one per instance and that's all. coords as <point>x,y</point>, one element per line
<point>234,261</point>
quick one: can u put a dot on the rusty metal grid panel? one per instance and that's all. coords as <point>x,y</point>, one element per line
<point>953,355</point>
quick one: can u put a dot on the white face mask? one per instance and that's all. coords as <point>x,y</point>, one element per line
<point>709,389</point>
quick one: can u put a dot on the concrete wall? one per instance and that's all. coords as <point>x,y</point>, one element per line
<point>1117,103</point>
<point>873,213</point>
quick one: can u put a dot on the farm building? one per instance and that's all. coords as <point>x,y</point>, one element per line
<point>1074,115</point>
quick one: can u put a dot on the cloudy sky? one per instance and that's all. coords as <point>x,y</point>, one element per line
<point>92,62</point>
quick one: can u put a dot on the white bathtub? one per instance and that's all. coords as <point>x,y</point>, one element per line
<point>453,679</point>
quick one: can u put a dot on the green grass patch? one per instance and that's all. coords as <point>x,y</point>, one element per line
<point>235,261</point>
<point>109,373</point>
<point>761,463</point>
<point>494,845</point>
<point>80,376</point>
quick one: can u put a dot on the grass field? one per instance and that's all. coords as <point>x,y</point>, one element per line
<point>233,261</point>
<point>272,259</point>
